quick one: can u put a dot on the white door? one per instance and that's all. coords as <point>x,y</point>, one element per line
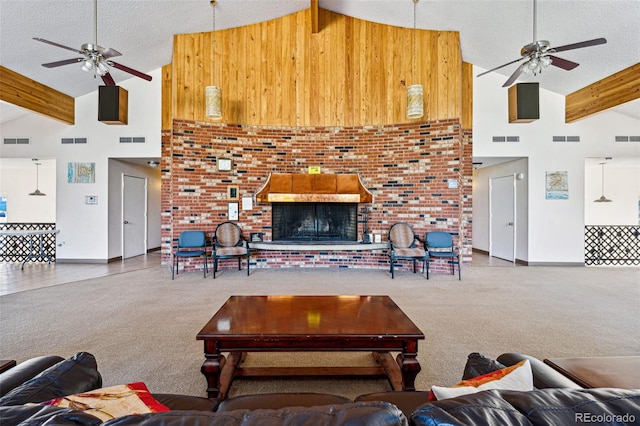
<point>502,212</point>
<point>134,216</point>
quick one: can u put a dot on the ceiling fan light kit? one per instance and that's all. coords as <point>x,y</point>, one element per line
<point>95,59</point>
<point>539,54</point>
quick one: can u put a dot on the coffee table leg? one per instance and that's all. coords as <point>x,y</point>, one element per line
<point>211,369</point>
<point>409,365</point>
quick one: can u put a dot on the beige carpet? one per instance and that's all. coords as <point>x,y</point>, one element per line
<point>141,326</point>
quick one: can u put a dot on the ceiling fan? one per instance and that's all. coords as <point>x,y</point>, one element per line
<point>95,58</point>
<point>539,54</point>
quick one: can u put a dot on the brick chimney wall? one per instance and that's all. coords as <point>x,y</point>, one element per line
<point>411,168</point>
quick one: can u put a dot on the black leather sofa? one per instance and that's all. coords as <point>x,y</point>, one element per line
<point>556,401</point>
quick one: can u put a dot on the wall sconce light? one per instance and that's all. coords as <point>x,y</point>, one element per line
<point>153,164</point>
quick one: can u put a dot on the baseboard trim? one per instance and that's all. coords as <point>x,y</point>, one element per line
<point>101,261</point>
<point>518,261</point>
<point>154,249</point>
<point>556,263</point>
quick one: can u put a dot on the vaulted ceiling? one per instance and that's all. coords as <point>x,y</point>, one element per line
<point>492,33</point>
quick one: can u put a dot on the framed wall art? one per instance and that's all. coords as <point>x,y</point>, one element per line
<point>232,209</point>
<point>557,186</point>
<point>81,173</point>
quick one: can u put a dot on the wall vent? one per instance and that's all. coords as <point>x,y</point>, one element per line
<point>134,139</point>
<point>69,141</point>
<point>627,138</point>
<point>566,138</point>
<point>506,139</point>
<point>17,141</point>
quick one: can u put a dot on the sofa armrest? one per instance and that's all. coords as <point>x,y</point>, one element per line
<point>543,375</point>
<point>26,370</point>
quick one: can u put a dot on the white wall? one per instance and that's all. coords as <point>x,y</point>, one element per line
<point>18,179</point>
<point>621,185</point>
<point>556,227</point>
<point>84,229</point>
<point>481,211</point>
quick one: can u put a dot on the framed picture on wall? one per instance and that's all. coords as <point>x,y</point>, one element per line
<point>232,192</point>
<point>232,209</point>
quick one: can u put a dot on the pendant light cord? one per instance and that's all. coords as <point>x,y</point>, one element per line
<point>415,50</point>
<point>213,54</point>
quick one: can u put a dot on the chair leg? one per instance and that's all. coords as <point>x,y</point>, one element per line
<point>239,263</point>
<point>392,262</point>
<point>459,271</point>
<point>427,266</point>
<point>414,266</point>
<point>173,266</point>
<point>204,267</point>
<point>247,265</point>
<point>215,267</point>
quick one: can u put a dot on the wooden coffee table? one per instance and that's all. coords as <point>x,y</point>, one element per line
<point>309,324</point>
<point>600,372</point>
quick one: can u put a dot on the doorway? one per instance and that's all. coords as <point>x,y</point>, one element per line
<point>502,213</point>
<point>134,216</point>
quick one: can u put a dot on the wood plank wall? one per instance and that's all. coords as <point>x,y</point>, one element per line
<point>351,73</point>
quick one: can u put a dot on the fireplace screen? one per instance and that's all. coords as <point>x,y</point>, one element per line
<point>315,221</point>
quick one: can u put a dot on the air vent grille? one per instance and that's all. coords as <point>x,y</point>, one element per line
<point>17,141</point>
<point>566,138</point>
<point>506,139</point>
<point>134,139</point>
<point>627,138</point>
<point>69,141</point>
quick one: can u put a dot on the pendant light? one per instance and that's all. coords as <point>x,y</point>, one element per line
<point>37,191</point>
<point>602,198</point>
<point>415,95</point>
<point>213,94</point>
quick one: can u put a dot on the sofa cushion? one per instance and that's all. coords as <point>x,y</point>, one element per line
<point>73,375</point>
<point>355,413</point>
<point>31,415</point>
<point>274,401</point>
<point>406,401</point>
<point>26,370</point>
<point>185,402</point>
<point>516,377</point>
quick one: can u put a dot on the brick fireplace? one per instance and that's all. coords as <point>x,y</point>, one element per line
<point>419,173</point>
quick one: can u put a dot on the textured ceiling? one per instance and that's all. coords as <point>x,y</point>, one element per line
<point>491,32</point>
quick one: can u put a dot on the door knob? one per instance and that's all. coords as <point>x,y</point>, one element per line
<point>510,224</point>
<point>126,222</point>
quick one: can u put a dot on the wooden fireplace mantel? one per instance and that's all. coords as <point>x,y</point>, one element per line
<point>317,188</point>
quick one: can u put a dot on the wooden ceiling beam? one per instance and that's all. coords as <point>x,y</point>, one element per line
<point>314,17</point>
<point>617,89</point>
<point>27,93</point>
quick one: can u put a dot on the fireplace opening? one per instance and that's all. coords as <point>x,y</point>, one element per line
<point>314,221</point>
